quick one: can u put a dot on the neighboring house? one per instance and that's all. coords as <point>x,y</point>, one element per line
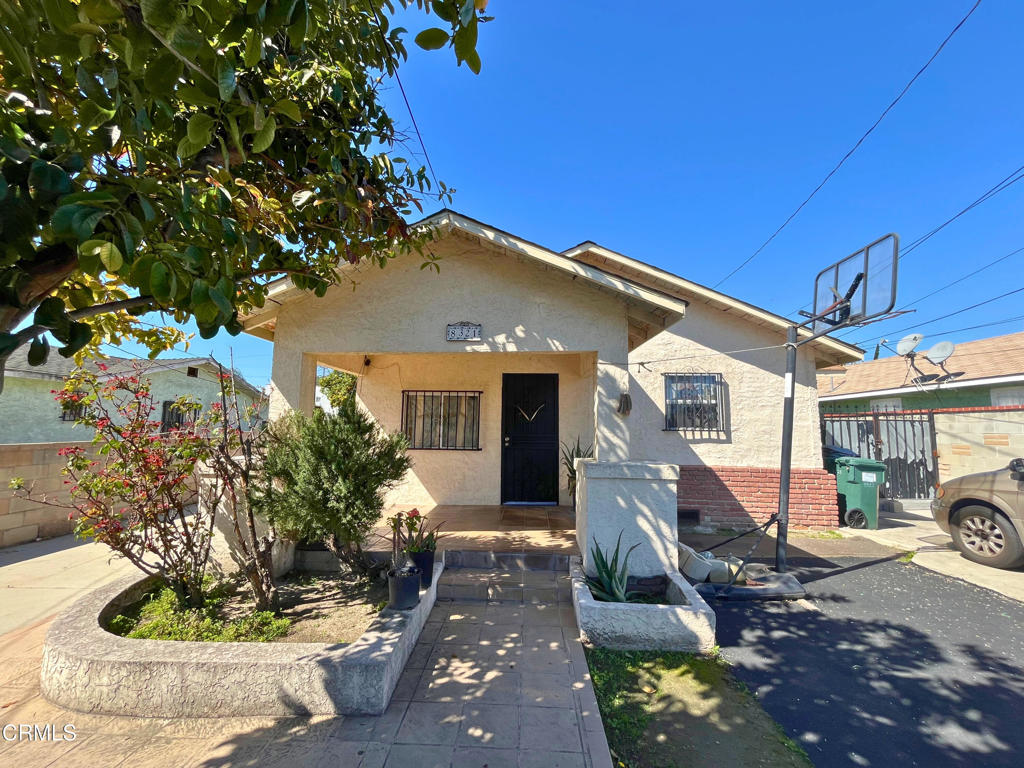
<point>932,423</point>
<point>513,349</point>
<point>29,413</point>
<point>987,372</point>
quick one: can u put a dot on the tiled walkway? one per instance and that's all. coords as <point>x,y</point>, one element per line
<point>501,685</point>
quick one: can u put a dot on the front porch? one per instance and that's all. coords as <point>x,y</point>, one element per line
<point>495,528</point>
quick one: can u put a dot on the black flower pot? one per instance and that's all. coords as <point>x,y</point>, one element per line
<point>425,562</point>
<point>403,588</point>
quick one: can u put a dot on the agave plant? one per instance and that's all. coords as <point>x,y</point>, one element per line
<point>570,453</point>
<point>610,583</point>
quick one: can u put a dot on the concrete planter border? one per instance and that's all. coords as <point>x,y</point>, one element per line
<point>686,625</point>
<point>87,669</point>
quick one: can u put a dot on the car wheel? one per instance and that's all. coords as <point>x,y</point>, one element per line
<point>855,518</point>
<point>985,536</point>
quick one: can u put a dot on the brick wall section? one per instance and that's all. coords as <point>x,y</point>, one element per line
<point>22,520</point>
<point>735,497</point>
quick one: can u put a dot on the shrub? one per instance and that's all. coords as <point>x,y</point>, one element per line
<point>160,618</point>
<point>330,473</point>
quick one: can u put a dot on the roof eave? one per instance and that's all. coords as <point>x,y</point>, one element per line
<point>832,349</point>
<point>281,290</point>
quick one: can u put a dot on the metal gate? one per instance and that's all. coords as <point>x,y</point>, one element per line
<point>904,440</point>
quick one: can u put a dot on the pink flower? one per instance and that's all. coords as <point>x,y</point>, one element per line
<point>413,513</point>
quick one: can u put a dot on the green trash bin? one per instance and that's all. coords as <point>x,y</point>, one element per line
<point>858,481</point>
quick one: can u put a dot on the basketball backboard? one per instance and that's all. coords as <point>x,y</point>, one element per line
<point>858,288</point>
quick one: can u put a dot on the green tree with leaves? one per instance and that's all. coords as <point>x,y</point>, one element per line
<point>180,154</point>
<point>338,387</point>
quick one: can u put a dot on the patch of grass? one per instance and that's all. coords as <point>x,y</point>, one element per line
<point>157,617</point>
<point>907,557</point>
<point>672,709</point>
<point>832,534</point>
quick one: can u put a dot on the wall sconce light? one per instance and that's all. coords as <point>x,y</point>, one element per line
<point>625,404</point>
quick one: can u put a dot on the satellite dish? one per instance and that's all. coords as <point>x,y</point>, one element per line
<point>908,344</point>
<point>940,353</point>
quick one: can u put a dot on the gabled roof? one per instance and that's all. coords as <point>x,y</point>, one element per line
<point>648,306</point>
<point>57,368</point>
<point>993,361</point>
<point>656,298</point>
<point>827,350</point>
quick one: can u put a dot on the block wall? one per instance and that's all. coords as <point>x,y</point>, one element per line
<point>22,520</point>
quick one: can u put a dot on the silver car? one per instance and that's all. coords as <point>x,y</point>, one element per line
<point>984,513</point>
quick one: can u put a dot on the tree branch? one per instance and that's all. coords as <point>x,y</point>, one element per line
<point>135,302</point>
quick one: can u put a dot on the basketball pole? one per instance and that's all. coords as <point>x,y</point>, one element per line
<point>786,459</point>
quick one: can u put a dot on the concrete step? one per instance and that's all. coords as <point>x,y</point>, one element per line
<point>496,584</point>
<point>510,561</point>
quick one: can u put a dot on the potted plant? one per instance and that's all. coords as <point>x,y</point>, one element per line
<point>403,578</point>
<point>421,544</point>
<point>569,455</point>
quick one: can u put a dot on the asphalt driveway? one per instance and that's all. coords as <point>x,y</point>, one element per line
<point>886,663</point>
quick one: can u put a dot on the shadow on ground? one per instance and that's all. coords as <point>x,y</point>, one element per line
<point>897,666</point>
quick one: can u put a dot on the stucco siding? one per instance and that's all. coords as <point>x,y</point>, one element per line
<point>470,476</point>
<point>29,413</point>
<point>705,340</point>
<point>402,309</point>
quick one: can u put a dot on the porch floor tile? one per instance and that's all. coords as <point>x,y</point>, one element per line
<point>495,528</point>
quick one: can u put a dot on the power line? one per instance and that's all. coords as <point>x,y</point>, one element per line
<point>1010,180</point>
<point>961,279</point>
<point>942,317</point>
<point>855,147</point>
<point>1001,186</point>
<point>644,363</point>
<point>405,98</point>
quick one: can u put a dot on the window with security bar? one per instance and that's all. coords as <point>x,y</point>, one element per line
<point>73,412</point>
<point>694,402</point>
<point>441,420</point>
<point>176,416</point>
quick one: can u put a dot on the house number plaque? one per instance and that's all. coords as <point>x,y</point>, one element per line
<point>463,331</point>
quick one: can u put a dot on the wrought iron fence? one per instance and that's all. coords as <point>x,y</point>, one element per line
<point>903,439</point>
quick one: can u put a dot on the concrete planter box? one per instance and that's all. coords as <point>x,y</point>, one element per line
<point>87,669</point>
<point>686,625</point>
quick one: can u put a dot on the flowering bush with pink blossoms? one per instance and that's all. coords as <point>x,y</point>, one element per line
<point>136,490</point>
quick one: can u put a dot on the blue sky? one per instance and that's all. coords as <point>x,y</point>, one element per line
<point>683,134</point>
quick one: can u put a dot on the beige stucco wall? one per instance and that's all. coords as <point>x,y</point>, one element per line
<point>753,386</point>
<point>534,320</point>
<point>29,413</point>
<point>469,477</point>
<point>977,442</point>
<point>403,309</point>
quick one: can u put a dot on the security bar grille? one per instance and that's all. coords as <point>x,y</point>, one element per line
<point>693,402</point>
<point>441,420</point>
<point>72,412</point>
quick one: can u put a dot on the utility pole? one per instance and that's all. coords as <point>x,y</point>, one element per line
<point>786,459</point>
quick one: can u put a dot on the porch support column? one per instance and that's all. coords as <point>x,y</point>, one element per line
<point>611,431</point>
<point>292,381</point>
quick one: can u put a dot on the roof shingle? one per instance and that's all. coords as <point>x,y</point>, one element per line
<point>981,359</point>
